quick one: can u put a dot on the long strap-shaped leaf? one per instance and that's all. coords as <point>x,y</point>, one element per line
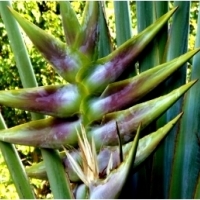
<point>16,168</point>
<point>147,12</point>
<point>8,150</point>
<point>162,168</point>
<point>186,165</point>
<point>146,16</point>
<point>105,44</point>
<point>122,21</point>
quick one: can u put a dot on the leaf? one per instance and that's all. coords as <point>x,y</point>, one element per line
<point>105,44</point>
<point>122,21</point>
<point>186,161</point>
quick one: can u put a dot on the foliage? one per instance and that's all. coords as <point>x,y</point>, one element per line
<point>46,15</point>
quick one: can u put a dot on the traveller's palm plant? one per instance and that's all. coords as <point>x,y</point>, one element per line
<point>103,106</point>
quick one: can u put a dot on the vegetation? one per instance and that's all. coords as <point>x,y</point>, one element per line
<point>156,51</point>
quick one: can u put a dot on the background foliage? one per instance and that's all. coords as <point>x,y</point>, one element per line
<point>47,16</point>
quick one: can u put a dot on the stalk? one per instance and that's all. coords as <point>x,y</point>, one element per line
<point>28,80</point>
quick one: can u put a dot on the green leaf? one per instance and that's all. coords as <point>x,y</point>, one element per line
<point>164,158</point>
<point>146,16</point>
<point>186,163</point>
<point>122,21</point>
<point>161,7</point>
<point>197,190</point>
<point>105,44</point>
<point>16,41</point>
<point>59,182</point>
<point>16,168</point>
